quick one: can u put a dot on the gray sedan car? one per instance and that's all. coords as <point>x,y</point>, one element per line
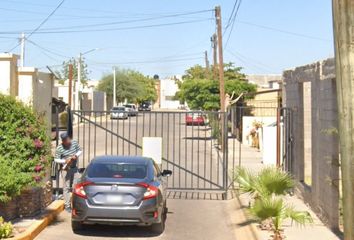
<point>121,190</point>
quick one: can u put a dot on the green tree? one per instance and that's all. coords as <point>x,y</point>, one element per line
<point>130,85</point>
<point>63,73</point>
<point>202,93</point>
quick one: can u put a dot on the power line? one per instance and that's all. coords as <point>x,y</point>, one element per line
<point>232,22</point>
<point>283,31</point>
<point>139,62</point>
<point>115,29</point>
<point>41,24</point>
<point>127,21</point>
<point>48,50</point>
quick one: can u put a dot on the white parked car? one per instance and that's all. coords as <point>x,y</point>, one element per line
<point>119,113</point>
<point>131,108</point>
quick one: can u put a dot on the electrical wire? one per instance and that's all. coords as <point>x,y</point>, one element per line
<point>232,22</point>
<point>115,29</point>
<point>47,50</point>
<point>41,24</point>
<point>139,62</point>
<point>124,22</point>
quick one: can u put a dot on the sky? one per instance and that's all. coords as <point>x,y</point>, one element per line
<point>167,37</point>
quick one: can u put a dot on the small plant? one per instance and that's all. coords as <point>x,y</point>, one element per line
<point>276,210</point>
<point>6,229</point>
<point>266,188</point>
<point>267,182</point>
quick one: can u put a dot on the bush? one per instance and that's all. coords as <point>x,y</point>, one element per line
<point>6,229</point>
<point>24,148</point>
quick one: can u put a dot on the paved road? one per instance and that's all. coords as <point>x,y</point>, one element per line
<point>187,219</point>
<point>188,151</point>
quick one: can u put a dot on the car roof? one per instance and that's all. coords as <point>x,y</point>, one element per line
<point>121,159</point>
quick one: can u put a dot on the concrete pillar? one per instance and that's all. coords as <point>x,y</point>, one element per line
<point>8,74</point>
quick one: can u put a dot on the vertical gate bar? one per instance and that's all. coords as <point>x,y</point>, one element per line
<point>136,133</point>
<point>179,150</point>
<point>95,135</point>
<point>150,124</point>
<point>205,153</point>
<point>130,122</point>
<point>162,124</point>
<point>123,135</point>
<point>233,158</point>
<point>198,158</point>
<point>83,140</point>
<point>155,124</point>
<point>192,152</point>
<point>185,150</point>
<point>226,157</point>
<point>240,136</point>
<point>218,150</point>
<point>168,142</point>
<point>106,134</point>
<point>173,147</point>
<point>143,124</point>
<point>89,138</point>
<point>118,136</point>
<point>211,148</point>
<point>111,136</point>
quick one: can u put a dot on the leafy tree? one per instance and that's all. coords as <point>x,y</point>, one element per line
<point>63,73</point>
<point>130,85</point>
<point>203,93</point>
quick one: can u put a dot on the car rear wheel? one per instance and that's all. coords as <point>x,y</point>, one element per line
<point>77,226</point>
<point>158,228</point>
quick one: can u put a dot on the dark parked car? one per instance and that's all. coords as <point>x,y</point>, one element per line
<point>145,106</point>
<point>121,190</point>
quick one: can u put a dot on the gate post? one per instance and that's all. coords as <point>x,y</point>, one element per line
<point>225,154</point>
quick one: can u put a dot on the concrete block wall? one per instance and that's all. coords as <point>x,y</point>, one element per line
<point>323,194</point>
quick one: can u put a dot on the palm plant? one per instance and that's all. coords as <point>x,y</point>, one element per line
<point>267,182</point>
<point>275,210</point>
<point>265,187</point>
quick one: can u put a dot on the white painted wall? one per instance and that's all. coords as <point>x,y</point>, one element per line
<point>168,90</point>
<point>8,74</point>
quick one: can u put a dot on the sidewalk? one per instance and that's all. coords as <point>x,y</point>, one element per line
<point>252,159</point>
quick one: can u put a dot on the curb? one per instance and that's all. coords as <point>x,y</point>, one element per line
<point>51,212</point>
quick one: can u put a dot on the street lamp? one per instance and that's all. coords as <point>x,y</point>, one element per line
<point>78,86</point>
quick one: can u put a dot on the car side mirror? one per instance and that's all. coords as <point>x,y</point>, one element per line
<point>82,170</point>
<point>166,173</point>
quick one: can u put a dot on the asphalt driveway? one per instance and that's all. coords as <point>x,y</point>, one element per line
<point>187,219</point>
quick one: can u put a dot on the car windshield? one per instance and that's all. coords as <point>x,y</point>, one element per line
<point>117,170</point>
<point>121,109</point>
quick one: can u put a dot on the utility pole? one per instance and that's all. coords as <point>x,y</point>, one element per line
<point>343,23</point>
<point>215,53</point>
<point>114,87</point>
<point>70,84</point>
<point>23,40</point>
<point>78,84</point>
<point>221,58</point>
<point>206,65</point>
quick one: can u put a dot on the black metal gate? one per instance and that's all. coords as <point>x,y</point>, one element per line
<point>191,143</point>
<point>278,118</point>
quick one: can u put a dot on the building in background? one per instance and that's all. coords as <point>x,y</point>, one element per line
<point>267,81</point>
<point>27,84</point>
<point>168,90</point>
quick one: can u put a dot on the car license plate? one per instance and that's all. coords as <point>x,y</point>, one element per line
<point>114,198</point>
